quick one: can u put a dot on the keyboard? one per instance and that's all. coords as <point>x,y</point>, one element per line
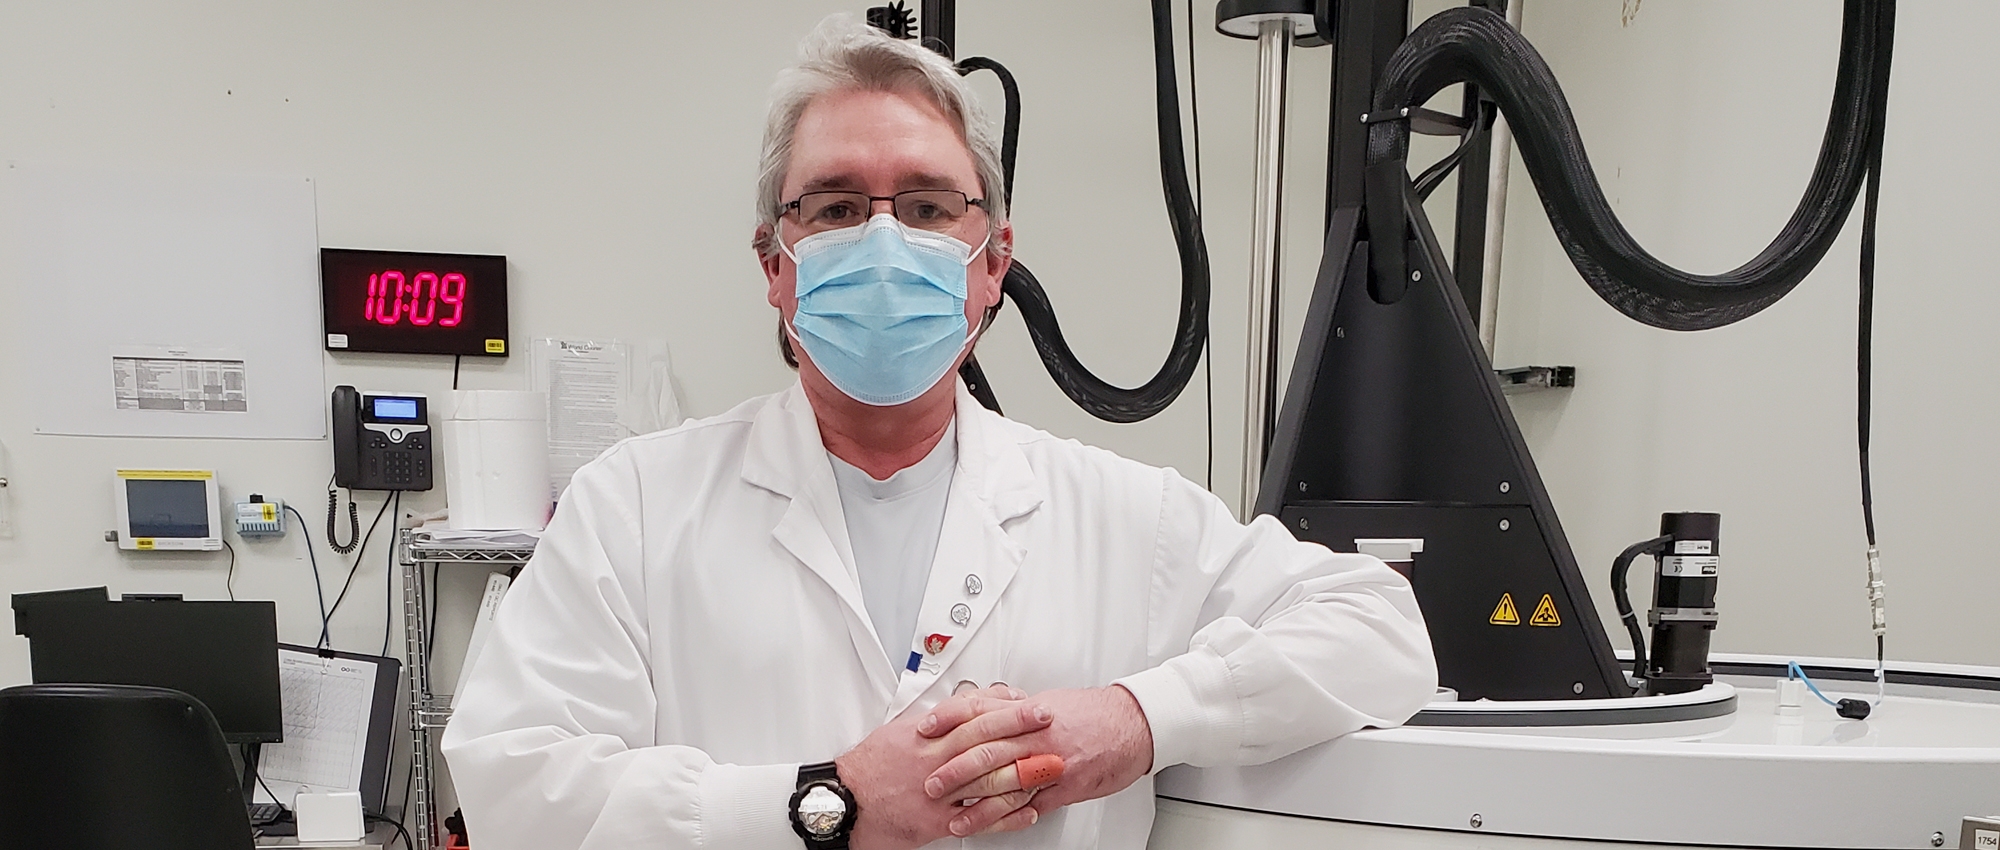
<point>264,813</point>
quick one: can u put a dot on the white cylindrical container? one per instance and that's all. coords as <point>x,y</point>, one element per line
<point>496,448</point>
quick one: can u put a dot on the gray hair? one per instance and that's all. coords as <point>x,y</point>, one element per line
<point>844,54</point>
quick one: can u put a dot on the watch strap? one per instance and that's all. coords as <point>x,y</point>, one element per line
<point>823,772</point>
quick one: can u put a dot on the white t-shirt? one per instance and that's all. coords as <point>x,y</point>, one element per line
<point>893,526</point>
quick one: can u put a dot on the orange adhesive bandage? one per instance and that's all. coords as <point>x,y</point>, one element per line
<point>1037,771</point>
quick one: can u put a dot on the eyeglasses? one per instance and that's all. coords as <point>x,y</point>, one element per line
<point>935,210</point>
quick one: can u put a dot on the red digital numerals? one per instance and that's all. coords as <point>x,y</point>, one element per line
<point>394,298</point>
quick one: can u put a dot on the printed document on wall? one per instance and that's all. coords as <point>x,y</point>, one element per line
<point>600,392</point>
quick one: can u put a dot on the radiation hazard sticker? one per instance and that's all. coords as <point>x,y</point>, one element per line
<point>1504,613</point>
<point>1545,613</point>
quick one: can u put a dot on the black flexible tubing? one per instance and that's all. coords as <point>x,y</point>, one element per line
<point>975,378</point>
<point>1619,567</point>
<point>1100,398</point>
<point>1477,45</point>
<point>1010,123</point>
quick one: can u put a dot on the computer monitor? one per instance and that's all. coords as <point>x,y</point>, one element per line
<point>222,653</point>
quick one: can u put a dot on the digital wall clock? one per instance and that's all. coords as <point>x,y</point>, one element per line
<point>410,302</point>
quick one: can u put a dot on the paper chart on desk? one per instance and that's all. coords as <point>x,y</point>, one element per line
<point>327,704</point>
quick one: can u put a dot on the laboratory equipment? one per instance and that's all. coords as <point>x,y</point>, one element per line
<point>406,302</point>
<point>381,441</point>
<point>167,510</point>
<point>260,517</point>
<point>1572,774</point>
<point>497,460</point>
<point>1687,560</point>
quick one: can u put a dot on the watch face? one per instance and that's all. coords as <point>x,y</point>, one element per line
<point>821,811</point>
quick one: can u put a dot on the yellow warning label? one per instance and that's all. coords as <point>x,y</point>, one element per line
<point>1504,613</point>
<point>1545,613</point>
<point>143,542</point>
<point>496,346</point>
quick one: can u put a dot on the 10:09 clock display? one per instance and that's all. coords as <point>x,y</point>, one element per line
<point>409,302</point>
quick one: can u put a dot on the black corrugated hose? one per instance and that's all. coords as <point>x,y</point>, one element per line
<point>1477,45</point>
<point>1102,398</point>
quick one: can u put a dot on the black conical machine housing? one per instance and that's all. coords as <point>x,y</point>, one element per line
<point>1394,424</point>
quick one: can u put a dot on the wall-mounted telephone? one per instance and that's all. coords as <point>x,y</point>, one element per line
<point>381,441</point>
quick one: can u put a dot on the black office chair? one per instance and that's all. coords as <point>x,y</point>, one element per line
<point>114,767</point>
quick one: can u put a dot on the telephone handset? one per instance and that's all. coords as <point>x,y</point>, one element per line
<point>381,441</point>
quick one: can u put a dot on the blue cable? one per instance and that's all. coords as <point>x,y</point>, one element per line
<point>1799,673</point>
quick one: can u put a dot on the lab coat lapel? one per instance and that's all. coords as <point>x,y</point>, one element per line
<point>785,455</point>
<point>977,556</point>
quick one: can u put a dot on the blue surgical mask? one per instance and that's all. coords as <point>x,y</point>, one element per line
<point>881,307</point>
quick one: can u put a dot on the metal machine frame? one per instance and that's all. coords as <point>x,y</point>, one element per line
<point>1394,424</point>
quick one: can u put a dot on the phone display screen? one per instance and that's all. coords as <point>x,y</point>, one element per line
<point>396,408</point>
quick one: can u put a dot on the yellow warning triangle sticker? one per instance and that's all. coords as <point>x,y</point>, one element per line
<point>1504,613</point>
<point>1545,613</point>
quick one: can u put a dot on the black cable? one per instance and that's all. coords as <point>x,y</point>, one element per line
<point>389,577</point>
<point>1619,567</point>
<point>1434,176</point>
<point>970,371</point>
<point>455,359</point>
<point>1010,123</point>
<point>353,522</point>
<point>1472,44</point>
<point>318,587</point>
<point>1864,361</point>
<point>400,831</point>
<point>409,778</point>
<point>230,582</point>
<point>1194,146</point>
<point>267,789</point>
<point>430,640</point>
<point>362,551</point>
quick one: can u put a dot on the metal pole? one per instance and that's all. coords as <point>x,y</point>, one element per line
<point>1496,216</point>
<point>1274,44</point>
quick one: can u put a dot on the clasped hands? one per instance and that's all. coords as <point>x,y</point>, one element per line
<point>913,778</point>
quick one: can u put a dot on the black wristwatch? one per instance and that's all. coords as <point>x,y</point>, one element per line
<point>823,810</point>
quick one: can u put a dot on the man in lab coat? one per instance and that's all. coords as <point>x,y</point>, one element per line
<point>841,615</point>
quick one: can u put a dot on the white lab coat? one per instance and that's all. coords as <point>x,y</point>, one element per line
<point>691,630</point>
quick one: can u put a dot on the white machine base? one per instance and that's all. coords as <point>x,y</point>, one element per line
<point>1928,757</point>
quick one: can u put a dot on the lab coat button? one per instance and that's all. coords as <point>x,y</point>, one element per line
<point>973,586</point>
<point>961,613</point>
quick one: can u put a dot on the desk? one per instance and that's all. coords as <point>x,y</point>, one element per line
<point>379,835</point>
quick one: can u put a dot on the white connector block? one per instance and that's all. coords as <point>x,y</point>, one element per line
<point>1791,697</point>
<point>260,518</point>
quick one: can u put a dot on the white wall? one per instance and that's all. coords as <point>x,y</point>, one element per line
<point>1702,120</point>
<point>609,150</point>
